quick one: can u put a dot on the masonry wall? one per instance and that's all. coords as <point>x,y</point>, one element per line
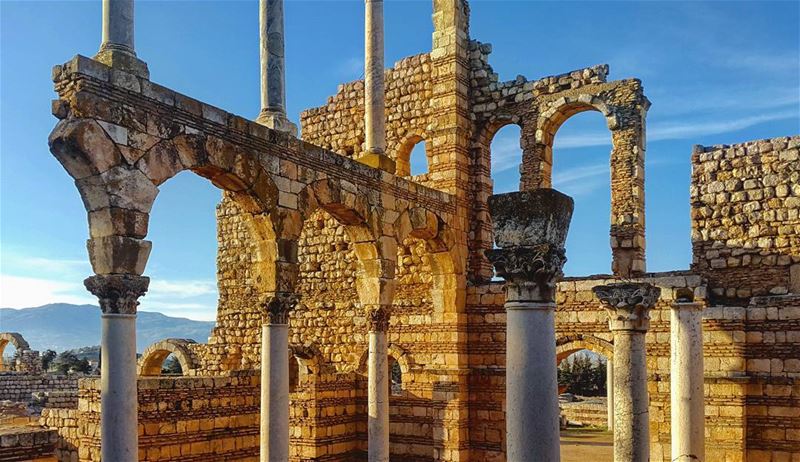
<point>746,218</point>
<point>20,386</point>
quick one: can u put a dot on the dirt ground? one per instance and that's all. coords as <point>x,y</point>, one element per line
<point>582,445</point>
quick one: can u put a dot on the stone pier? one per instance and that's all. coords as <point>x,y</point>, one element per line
<point>118,296</point>
<point>378,385</point>
<point>530,230</point>
<point>273,73</point>
<point>275,378</point>
<point>628,306</point>
<point>687,420</point>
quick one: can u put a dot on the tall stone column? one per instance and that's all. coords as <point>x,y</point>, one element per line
<point>610,393</point>
<point>374,92</point>
<point>117,49</point>
<point>275,378</point>
<point>686,382</point>
<point>378,384</point>
<point>530,229</point>
<point>628,306</point>
<point>273,75</point>
<point>118,296</point>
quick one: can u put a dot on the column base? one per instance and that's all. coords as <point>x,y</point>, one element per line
<point>123,60</point>
<point>277,121</point>
<point>378,160</point>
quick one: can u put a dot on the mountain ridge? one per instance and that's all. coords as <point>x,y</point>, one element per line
<point>64,326</point>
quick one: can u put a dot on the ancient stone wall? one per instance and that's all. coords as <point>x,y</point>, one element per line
<point>20,386</point>
<point>26,444</point>
<point>746,218</point>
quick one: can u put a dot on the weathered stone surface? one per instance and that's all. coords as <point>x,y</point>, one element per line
<point>118,254</point>
<point>118,293</point>
<point>530,218</point>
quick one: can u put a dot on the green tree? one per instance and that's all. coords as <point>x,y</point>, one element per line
<point>583,375</point>
<point>47,359</point>
<point>69,363</point>
<point>172,366</point>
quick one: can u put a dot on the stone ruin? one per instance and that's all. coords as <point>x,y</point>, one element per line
<point>335,265</point>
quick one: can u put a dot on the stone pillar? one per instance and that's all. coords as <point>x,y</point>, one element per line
<point>374,92</point>
<point>610,393</point>
<point>628,306</point>
<point>275,378</point>
<point>273,75</point>
<point>378,385</point>
<point>118,295</point>
<point>116,49</point>
<point>530,228</point>
<point>686,382</point>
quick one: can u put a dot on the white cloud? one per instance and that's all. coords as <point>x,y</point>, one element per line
<point>161,288</point>
<point>25,292</point>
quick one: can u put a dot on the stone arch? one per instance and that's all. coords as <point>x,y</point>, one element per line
<point>569,344</point>
<point>16,340</point>
<point>623,107</point>
<point>396,352</point>
<point>402,151</point>
<point>153,358</point>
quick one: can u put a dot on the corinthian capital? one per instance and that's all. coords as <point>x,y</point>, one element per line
<point>117,293</point>
<point>628,304</point>
<point>537,268</point>
<point>278,306</point>
<point>378,318</point>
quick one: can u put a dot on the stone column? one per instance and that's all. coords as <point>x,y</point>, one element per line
<point>275,378</point>
<point>273,75</point>
<point>628,306</point>
<point>686,382</point>
<point>610,393</point>
<point>530,229</point>
<point>374,93</point>
<point>118,296</point>
<point>117,49</point>
<point>378,385</point>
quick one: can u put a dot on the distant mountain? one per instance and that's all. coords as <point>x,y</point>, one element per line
<point>61,326</point>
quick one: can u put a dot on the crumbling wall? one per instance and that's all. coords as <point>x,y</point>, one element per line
<point>746,218</point>
<point>20,386</point>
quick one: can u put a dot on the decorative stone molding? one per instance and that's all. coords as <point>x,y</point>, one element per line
<point>628,304</point>
<point>378,317</point>
<point>117,293</point>
<point>539,266</point>
<point>278,306</point>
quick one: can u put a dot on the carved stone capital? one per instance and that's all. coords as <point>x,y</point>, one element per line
<point>628,304</point>
<point>117,293</point>
<point>532,272</point>
<point>278,305</point>
<point>378,317</point>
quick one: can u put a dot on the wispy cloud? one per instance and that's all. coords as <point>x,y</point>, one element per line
<point>24,292</point>
<point>582,180</point>
<point>181,289</point>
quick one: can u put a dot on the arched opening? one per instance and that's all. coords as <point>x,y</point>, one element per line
<point>171,366</point>
<point>580,168</point>
<point>8,352</point>
<point>419,160</point>
<point>168,357</point>
<point>506,157</point>
<point>395,378</point>
<point>294,373</point>
<point>412,156</point>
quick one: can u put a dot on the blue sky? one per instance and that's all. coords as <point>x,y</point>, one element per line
<point>716,72</point>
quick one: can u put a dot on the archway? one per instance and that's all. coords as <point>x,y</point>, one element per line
<point>154,358</point>
<point>412,156</point>
<point>586,376</point>
<point>506,158</point>
<point>12,344</point>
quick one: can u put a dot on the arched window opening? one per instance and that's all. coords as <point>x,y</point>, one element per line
<point>581,170</point>
<point>506,157</point>
<point>395,378</point>
<point>583,373</point>
<point>9,356</point>
<point>418,160</point>
<point>183,263</point>
<point>171,366</point>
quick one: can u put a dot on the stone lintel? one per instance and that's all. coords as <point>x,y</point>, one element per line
<point>277,307</point>
<point>688,306</point>
<point>117,293</point>
<point>628,304</point>
<point>379,161</point>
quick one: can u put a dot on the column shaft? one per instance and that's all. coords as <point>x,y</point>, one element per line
<point>532,414</point>
<point>686,383</point>
<point>631,413</point>
<point>275,393</point>
<point>118,25</point>
<point>273,80</point>
<point>374,104</point>
<point>610,393</point>
<point>378,398</point>
<point>118,398</point>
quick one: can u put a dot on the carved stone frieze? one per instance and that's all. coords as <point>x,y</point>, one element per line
<point>117,293</point>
